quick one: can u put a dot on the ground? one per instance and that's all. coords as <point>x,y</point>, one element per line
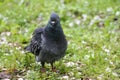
<point>92,29</point>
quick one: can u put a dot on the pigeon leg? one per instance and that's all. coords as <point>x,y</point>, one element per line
<point>53,67</point>
<point>43,67</point>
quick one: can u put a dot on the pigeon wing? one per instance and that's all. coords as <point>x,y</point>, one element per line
<point>35,44</point>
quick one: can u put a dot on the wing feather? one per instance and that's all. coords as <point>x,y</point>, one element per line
<point>35,44</point>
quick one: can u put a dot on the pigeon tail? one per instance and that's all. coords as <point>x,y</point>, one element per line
<point>27,48</point>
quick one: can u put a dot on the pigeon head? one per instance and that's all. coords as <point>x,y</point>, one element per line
<point>54,19</point>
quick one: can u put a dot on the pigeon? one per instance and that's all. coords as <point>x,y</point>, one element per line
<point>48,43</point>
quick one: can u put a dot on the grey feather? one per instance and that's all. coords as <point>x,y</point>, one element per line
<point>48,44</point>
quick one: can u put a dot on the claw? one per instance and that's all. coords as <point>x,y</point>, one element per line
<point>43,70</point>
<point>55,70</point>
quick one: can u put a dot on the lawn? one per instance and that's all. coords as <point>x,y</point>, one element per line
<point>92,29</point>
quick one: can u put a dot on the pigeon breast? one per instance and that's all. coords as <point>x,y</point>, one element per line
<point>52,49</point>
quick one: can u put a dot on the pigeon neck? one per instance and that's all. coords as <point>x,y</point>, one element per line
<point>55,33</point>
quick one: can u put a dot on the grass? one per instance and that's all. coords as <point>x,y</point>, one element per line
<point>92,29</point>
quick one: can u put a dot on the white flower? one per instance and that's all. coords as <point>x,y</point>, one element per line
<point>77,21</point>
<point>20,79</point>
<point>8,33</point>
<point>22,52</point>
<point>111,62</point>
<point>115,74</point>
<point>71,24</point>
<point>6,79</point>
<point>110,9</point>
<point>92,55</point>
<point>108,69</point>
<point>11,51</point>
<point>18,48</point>
<point>84,42</point>
<point>10,44</point>
<point>79,73</point>
<point>107,50</point>
<point>69,14</point>
<point>70,64</point>
<point>91,22</point>
<point>26,30</point>
<point>3,39</point>
<point>71,73</point>
<point>97,18</point>
<point>84,17</point>
<point>5,33</point>
<point>73,78</point>
<point>65,77</point>
<point>117,13</point>
<point>86,57</point>
<point>21,2</point>
<point>100,76</point>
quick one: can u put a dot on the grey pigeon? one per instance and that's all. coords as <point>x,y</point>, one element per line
<point>48,44</point>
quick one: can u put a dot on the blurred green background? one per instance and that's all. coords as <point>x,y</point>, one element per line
<point>92,29</point>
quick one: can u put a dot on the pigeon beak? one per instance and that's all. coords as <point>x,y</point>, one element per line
<point>53,22</point>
